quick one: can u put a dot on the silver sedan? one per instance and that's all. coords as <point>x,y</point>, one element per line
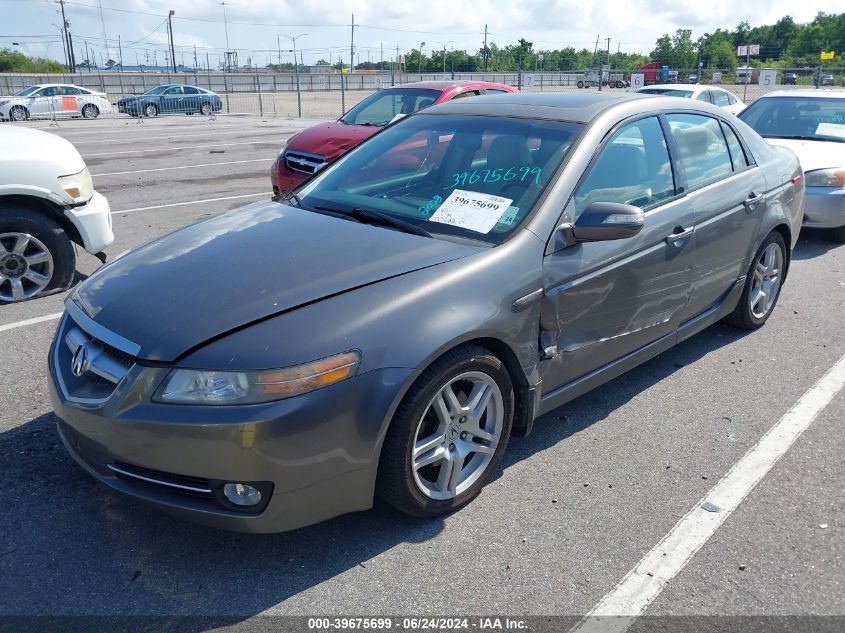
<point>48,101</point>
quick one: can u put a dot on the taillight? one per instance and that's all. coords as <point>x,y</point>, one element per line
<point>795,180</point>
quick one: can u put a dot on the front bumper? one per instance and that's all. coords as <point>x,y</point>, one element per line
<point>824,207</point>
<point>318,453</point>
<point>283,178</point>
<point>93,221</point>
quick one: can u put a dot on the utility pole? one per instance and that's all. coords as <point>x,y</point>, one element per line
<point>485,48</point>
<point>352,45</point>
<point>195,59</point>
<point>66,36</point>
<point>87,57</point>
<point>279,46</point>
<point>381,60</point>
<point>226,26</point>
<point>601,67</point>
<point>120,53</point>
<point>103,24</point>
<point>170,33</point>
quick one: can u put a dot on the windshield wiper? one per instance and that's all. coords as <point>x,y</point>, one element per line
<point>366,216</point>
<point>289,195</point>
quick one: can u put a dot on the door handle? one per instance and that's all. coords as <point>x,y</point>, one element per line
<point>752,201</point>
<point>679,235</point>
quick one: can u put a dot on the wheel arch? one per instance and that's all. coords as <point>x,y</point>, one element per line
<point>45,208</point>
<point>786,234</point>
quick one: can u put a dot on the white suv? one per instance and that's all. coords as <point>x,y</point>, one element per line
<point>47,201</point>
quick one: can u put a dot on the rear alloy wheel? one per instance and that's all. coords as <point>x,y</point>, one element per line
<point>19,113</point>
<point>206,109</point>
<point>448,435</point>
<point>762,285</point>
<point>36,256</point>
<point>90,111</point>
<point>150,110</point>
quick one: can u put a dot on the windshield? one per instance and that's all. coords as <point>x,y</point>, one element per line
<point>157,90</point>
<point>465,176</point>
<point>381,107</point>
<point>26,91</point>
<point>820,118</point>
<point>667,92</point>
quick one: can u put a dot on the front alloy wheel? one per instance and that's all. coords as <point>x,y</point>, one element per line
<point>448,434</point>
<point>150,110</point>
<point>26,266</point>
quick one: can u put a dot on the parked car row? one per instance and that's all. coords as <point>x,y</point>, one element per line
<point>49,101</point>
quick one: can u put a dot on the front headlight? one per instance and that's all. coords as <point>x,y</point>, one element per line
<point>194,386</point>
<point>79,186</point>
<point>4,102</point>
<point>825,177</point>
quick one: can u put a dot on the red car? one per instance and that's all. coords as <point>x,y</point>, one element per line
<point>307,150</point>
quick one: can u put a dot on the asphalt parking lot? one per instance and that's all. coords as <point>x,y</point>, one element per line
<point>572,510</point>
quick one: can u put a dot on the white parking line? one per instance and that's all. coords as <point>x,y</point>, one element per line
<point>168,149</point>
<point>646,580</point>
<point>184,204</point>
<point>41,319</point>
<point>144,171</point>
<point>170,137</point>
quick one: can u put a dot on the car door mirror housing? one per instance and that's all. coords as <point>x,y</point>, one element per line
<point>602,221</point>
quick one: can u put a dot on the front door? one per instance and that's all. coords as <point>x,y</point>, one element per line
<point>612,298</point>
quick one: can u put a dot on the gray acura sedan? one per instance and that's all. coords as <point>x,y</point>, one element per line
<point>386,327</point>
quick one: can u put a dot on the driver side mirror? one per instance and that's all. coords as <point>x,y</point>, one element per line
<point>602,221</point>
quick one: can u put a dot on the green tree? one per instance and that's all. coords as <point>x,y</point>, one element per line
<point>15,62</point>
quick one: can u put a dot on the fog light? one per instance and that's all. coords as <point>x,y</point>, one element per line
<point>242,495</point>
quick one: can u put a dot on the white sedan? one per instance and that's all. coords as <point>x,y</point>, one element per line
<point>708,94</point>
<point>47,101</point>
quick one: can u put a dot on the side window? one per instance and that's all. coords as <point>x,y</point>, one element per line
<point>468,93</point>
<point>190,90</point>
<point>175,90</point>
<point>737,153</point>
<point>632,168</point>
<point>494,91</point>
<point>704,96</point>
<point>731,98</point>
<point>703,151</point>
<point>720,98</point>
<point>47,92</point>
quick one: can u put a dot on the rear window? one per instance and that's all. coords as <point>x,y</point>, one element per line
<point>667,92</point>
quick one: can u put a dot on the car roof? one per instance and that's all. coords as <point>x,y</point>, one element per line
<point>579,107</point>
<point>447,84</point>
<point>810,92</point>
<point>56,85</point>
<point>673,87</point>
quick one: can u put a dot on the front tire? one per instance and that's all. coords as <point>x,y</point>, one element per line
<point>36,255</point>
<point>90,111</point>
<point>448,435</point>
<point>150,110</point>
<point>762,285</point>
<point>19,113</point>
<point>206,109</point>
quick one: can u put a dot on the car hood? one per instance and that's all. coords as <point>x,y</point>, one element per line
<point>814,154</point>
<point>217,276</point>
<point>330,139</point>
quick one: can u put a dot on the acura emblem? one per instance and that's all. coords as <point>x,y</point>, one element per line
<point>80,362</point>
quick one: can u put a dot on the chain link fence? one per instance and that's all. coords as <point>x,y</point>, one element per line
<point>323,95</point>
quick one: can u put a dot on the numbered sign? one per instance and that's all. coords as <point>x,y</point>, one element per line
<point>767,78</point>
<point>378,82</point>
<point>528,80</point>
<point>637,80</point>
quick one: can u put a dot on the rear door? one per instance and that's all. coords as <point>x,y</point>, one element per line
<point>612,298</point>
<point>67,101</point>
<point>726,192</point>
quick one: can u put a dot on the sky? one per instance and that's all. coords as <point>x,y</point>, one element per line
<point>256,28</point>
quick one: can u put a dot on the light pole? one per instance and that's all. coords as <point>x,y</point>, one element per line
<point>226,27</point>
<point>296,68</point>
<point>445,44</point>
<point>419,66</point>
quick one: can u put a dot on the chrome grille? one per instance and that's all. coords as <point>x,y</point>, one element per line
<point>303,162</point>
<point>86,365</point>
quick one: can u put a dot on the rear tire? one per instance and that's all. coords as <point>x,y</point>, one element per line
<point>837,234</point>
<point>440,449</point>
<point>580,84</point>
<point>763,284</point>
<point>28,274</point>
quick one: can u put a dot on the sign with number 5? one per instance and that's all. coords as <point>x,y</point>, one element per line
<point>767,78</point>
